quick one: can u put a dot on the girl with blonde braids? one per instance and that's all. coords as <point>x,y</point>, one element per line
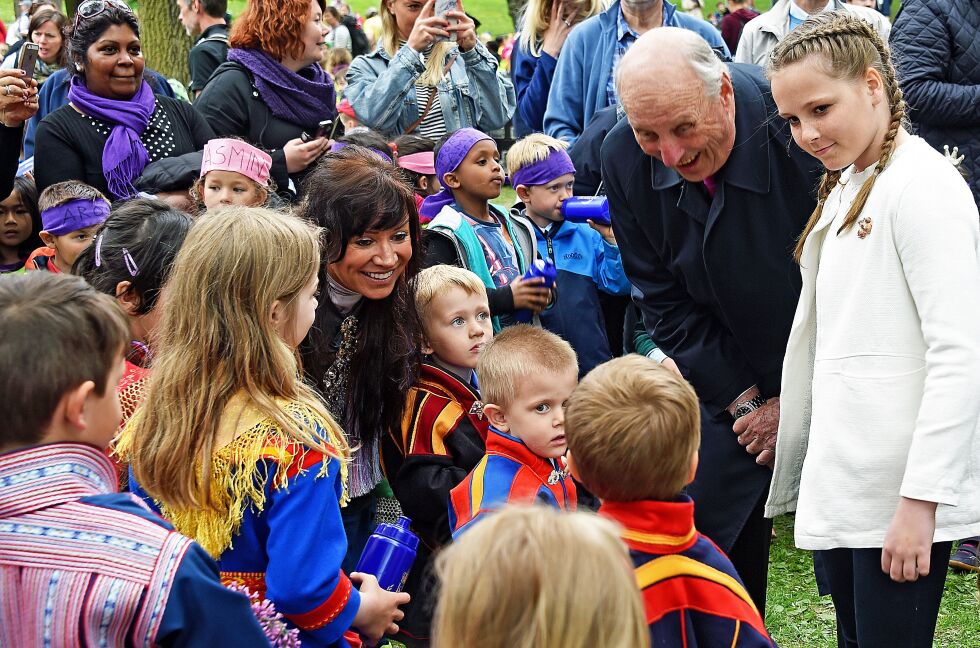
<point>878,448</point>
<point>232,446</point>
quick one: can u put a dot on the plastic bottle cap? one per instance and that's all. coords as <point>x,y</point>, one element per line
<point>399,532</point>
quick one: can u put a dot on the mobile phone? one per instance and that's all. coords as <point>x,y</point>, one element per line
<point>27,59</point>
<point>323,129</point>
<point>441,9</point>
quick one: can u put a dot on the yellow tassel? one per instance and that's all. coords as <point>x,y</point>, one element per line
<point>239,479</point>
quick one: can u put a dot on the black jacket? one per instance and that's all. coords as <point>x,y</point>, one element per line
<point>715,279</point>
<point>232,105</point>
<point>10,139</point>
<point>209,52</point>
<point>936,48</point>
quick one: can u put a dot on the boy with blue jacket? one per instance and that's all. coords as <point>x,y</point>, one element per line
<point>586,256</point>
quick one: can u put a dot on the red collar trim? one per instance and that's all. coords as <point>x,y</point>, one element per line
<point>501,443</point>
<point>654,527</point>
<point>439,380</point>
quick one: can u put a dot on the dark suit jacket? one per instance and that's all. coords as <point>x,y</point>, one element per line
<point>715,278</point>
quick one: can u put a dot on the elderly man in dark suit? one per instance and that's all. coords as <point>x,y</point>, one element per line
<point>707,198</point>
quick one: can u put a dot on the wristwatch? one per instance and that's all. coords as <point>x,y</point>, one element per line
<point>750,405</point>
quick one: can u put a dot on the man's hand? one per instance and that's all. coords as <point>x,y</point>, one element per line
<point>908,542</point>
<point>757,432</point>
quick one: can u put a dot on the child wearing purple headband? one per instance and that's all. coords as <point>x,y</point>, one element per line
<point>467,231</point>
<point>586,256</point>
<point>71,211</point>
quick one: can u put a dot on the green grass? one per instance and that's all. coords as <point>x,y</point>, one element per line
<point>796,616</point>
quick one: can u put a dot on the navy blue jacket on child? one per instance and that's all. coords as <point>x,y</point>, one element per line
<point>692,595</point>
<point>586,264</point>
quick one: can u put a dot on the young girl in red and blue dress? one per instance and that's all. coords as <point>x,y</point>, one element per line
<point>232,446</point>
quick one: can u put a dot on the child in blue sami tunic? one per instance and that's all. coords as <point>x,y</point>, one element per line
<point>633,435</point>
<point>80,563</point>
<point>232,446</point>
<point>526,374</point>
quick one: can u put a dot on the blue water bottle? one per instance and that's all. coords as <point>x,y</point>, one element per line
<point>544,268</point>
<point>579,209</point>
<point>389,554</point>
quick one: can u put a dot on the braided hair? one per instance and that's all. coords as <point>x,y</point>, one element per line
<point>848,46</point>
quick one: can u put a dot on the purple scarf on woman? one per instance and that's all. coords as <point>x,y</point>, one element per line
<point>124,155</point>
<point>305,98</point>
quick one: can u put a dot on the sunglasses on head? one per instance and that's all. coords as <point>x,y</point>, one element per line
<point>92,8</point>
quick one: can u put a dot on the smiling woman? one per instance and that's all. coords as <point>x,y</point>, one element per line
<point>363,351</point>
<point>114,125</point>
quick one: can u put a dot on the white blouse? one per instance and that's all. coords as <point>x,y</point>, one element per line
<point>881,380</point>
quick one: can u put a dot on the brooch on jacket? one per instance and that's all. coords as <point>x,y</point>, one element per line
<point>477,410</point>
<point>864,227</point>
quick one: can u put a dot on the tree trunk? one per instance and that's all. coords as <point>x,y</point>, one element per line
<point>165,43</point>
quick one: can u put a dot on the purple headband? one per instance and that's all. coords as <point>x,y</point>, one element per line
<point>74,215</point>
<point>544,171</point>
<point>336,146</point>
<point>450,156</point>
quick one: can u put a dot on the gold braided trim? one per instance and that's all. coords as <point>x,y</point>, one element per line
<point>239,478</point>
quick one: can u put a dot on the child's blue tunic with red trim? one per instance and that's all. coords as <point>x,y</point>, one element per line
<point>508,474</point>
<point>692,596</point>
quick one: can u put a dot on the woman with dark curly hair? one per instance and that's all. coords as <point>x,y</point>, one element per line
<point>114,126</point>
<point>272,92</point>
<point>363,350</point>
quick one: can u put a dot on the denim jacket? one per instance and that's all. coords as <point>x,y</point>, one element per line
<point>381,89</point>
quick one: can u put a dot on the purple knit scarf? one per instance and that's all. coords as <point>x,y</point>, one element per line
<point>124,155</point>
<point>305,98</point>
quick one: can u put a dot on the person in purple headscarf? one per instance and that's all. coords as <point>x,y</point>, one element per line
<point>272,91</point>
<point>466,230</point>
<point>114,125</point>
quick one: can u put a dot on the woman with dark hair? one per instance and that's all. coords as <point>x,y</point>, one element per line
<point>363,350</point>
<point>46,30</point>
<point>272,92</point>
<point>114,126</point>
<point>130,259</point>
<point>20,223</point>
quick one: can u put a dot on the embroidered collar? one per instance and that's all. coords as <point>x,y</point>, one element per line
<point>436,378</point>
<point>655,527</point>
<point>41,476</point>
<point>505,445</point>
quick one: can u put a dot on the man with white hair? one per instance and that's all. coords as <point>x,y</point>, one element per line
<point>707,197</point>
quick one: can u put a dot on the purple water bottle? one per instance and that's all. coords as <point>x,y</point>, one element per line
<point>389,554</point>
<point>544,268</point>
<point>579,209</point>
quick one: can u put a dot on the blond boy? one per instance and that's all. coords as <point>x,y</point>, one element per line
<point>633,431</point>
<point>586,255</point>
<point>444,433</point>
<point>526,374</point>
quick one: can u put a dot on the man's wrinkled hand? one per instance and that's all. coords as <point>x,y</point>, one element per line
<point>757,432</point>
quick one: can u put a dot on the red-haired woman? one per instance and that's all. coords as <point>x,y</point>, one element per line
<point>272,90</point>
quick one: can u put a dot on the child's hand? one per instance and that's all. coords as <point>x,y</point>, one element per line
<point>530,294</point>
<point>606,231</point>
<point>379,608</point>
<point>908,543</point>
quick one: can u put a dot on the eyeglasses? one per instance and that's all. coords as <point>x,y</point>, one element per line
<point>92,8</point>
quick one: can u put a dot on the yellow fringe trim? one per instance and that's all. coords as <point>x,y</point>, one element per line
<point>239,479</point>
